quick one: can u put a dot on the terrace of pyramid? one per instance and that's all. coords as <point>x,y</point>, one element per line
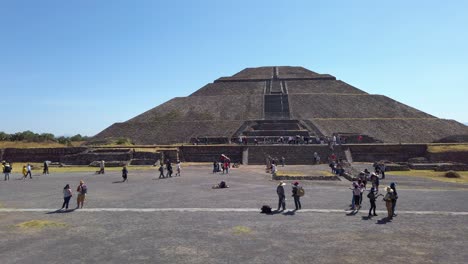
<point>271,102</point>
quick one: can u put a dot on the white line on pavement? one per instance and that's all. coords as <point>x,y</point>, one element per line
<point>149,210</point>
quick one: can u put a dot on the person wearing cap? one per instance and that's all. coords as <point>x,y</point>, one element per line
<point>395,197</point>
<point>388,201</point>
<point>281,196</point>
<point>295,194</point>
<point>82,190</point>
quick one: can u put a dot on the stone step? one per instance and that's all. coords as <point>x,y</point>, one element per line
<point>279,133</point>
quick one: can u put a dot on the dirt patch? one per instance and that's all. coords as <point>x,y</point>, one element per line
<point>39,225</point>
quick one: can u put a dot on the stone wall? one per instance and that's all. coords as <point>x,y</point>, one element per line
<point>210,153</point>
<point>38,154</point>
<point>293,154</point>
<point>394,153</point>
<point>460,157</point>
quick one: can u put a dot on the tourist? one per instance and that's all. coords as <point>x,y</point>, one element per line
<point>375,181</point>
<point>221,185</point>
<point>67,195</point>
<point>295,194</point>
<point>28,171</point>
<point>281,196</point>
<point>46,168</point>
<point>316,158</point>
<point>226,166</point>
<point>178,168</point>
<point>101,167</point>
<point>283,160</point>
<point>169,169</point>
<point>382,169</point>
<point>356,196</point>
<point>362,187</point>
<point>388,201</point>
<point>25,172</point>
<point>273,169</point>
<point>161,171</point>
<point>82,191</point>
<point>372,197</point>
<point>124,174</point>
<point>6,170</point>
<point>394,198</point>
<point>215,167</point>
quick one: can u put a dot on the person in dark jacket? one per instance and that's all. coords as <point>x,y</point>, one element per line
<point>394,198</point>
<point>124,174</point>
<point>372,197</point>
<point>169,169</point>
<point>46,168</point>
<point>281,196</point>
<point>295,194</point>
<point>161,171</point>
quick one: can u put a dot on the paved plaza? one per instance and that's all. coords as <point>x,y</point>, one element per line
<point>184,220</point>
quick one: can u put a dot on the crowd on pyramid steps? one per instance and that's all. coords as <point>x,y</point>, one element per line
<point>290,140</point>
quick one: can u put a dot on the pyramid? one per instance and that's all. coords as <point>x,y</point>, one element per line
<point>266,103</point>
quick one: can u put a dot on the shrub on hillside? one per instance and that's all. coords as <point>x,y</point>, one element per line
<point>452,174</point>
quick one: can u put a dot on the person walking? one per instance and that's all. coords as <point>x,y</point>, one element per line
<point>295,194</point>
<point>281,196</point>
<point>372,197</point>
<point>283,160</point>
<point>124,174</point>
<point>388,201</point>
<point>46,168</point>
<point>67,195</point>
<point>25,172</point>
<point>394,198</point>
<point>357,196</point>
<point>169,169</point>
<point>28,171</point>
<point>82,191</point>
<point>102,165</point>
<point>161,172</point>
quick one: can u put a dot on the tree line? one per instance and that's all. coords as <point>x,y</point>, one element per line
<point>44,137</point>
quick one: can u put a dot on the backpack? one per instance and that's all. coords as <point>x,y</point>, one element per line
<point>300,191</point>
<point>84,189</point>
<point>265,209</point>
<point>7,169</point>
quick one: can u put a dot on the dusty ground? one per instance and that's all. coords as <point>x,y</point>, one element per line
<point>157,221</point>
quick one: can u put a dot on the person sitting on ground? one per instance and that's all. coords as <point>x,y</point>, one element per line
<point>221,185</point>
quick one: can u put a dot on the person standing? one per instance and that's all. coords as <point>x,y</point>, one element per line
<point>82,191</point>
<point>25,172</point>
<point>388,201</point>
<point>178,168</point>
<point>124,174</point>
<point>372,197</point>
<point>357,196</point>
<point>394,198</point>
<point>295,194</point>
<point>67,195</point>
<point>282,161</point>
<point>46,168</point>
<point>7,171</point>
<point>281,196</point>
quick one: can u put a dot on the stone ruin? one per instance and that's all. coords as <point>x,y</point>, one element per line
<point>266,103</point>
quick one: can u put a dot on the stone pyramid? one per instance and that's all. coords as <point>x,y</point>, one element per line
<point>271,102</point>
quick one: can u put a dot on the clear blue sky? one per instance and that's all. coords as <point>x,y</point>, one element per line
<point>69,67</point>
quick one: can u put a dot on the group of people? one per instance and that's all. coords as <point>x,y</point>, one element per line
<point>297,193</point>
<point>169,170</point>
<point>359,187</point>
<point>223,164</point>
<point>82,190</point>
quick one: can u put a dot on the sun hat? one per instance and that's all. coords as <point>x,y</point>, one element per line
<point>81,182</point>
<point>295,183</point>
<point>282,183</point>
<point>388,189</point>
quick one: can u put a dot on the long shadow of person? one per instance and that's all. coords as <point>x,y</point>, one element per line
<point>366,218</point>
<point>118,181</point>
<point>60,211</point>
<point>354,212</point>
<point>384,221</point>
<point>290,212</point>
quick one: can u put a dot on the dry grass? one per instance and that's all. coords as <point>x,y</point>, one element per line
<point>433,175</point>
<point>447,148</point>
<point>24,144</point>
<point>40,224</point>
